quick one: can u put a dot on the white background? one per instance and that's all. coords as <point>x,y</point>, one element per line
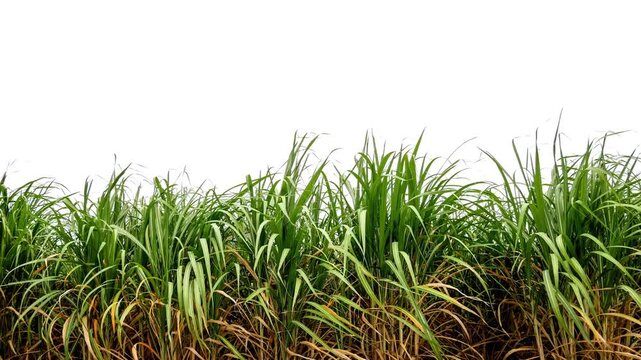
<point>221,87</point>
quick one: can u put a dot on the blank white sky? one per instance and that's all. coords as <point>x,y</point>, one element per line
<point>221,87</point>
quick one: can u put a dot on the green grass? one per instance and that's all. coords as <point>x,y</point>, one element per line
<point>398,257</point>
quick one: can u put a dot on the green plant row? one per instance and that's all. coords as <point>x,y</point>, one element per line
<point>398,257</point>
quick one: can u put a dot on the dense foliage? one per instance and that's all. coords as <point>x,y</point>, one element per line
<point>399,257</point>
